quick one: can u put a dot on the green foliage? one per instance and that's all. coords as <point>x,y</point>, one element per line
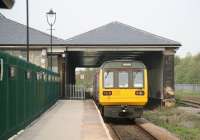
<point>187,69</point>
<point>87,75</point>
<point>181,94</point>
<point>184,125</point>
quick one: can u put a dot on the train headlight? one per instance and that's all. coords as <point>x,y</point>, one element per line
<point>107,93</point>
<point>140,93</point>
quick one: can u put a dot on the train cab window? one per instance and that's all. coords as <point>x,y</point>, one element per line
<point>108,79</point>
<point>138,79</point>
<point>123,79</point>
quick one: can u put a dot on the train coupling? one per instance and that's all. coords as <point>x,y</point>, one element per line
<point>124,108</point>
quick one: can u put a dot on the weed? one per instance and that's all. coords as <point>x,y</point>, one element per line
<point>183,124</point>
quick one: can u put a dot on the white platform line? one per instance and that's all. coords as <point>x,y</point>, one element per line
<point>102,122</point>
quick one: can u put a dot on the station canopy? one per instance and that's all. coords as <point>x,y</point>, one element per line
<point>13,34</point>
<point>115,41</point>
<point>116,33</point>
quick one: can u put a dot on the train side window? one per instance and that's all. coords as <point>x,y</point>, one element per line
<point>108,79</point>
<point>123,79</point>
<point>138,79</point>
<point>1,69</point>
<point>12,71</point>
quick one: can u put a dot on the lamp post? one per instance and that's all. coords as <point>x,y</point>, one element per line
<point>51,19</point>
<point>27,30</point>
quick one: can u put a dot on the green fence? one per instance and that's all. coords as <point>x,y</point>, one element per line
<point>26,91</point>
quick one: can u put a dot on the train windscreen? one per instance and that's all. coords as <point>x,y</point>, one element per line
<point>138,79</point>
<point>108,79</point>
<point>123,79</point>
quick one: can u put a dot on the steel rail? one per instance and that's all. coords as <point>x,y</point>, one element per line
<point>190,103</point>
<point>134,126</point>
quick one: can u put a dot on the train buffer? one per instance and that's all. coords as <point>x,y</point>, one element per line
<point>67,120</point>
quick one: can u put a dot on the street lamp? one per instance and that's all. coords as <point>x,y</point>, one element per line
<point>51,19</point>
<point>27,30</point>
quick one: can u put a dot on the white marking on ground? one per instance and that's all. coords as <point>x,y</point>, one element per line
<point>102,122</point>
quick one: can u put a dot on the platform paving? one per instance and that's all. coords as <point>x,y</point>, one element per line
<point>68,120</point>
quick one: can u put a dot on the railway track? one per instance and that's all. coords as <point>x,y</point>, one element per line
<point>128,130</point>
<point>190,103</point>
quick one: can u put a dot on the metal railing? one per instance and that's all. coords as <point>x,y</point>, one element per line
<point>75,92</point>
<point>189,87</point>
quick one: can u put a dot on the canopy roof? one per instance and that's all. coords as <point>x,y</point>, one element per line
<point>116,33</point>
<point>13,33</point>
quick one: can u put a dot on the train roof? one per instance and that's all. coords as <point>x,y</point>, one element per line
<point>127,63</point>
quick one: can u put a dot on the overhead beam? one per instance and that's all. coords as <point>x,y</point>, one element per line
<point>115,48</point>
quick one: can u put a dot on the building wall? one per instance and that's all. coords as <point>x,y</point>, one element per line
<point>168,73</point>
<point>54,63</point>
<point>154,63</point>
<point>38,57</point>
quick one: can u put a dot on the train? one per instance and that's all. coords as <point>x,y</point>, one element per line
<point>121,89</point>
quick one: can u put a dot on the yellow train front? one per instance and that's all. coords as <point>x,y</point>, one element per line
<point>121,88</point>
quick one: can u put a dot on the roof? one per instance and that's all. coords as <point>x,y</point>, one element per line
<point>14,33</point>
<point>116,33</point>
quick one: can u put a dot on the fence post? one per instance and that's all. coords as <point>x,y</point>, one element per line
<point>83,93</point>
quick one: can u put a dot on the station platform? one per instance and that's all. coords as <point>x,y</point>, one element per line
<point>68,120</point>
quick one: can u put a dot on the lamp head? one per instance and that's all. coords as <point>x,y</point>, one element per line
<point>51,17</point>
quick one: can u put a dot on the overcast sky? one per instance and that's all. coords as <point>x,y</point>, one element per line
<point>175,19</point>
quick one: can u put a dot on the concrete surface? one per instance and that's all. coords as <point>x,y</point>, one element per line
<point>156,131</point>
<point>68,120</point>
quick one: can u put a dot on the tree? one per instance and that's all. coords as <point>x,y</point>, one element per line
<point>187,69</point>
<point>88,77</point>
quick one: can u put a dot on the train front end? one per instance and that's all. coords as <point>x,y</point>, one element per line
<point>123,88</point>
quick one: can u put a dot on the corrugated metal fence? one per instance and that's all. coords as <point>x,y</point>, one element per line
<point>26,91</point>
<point>75,92</point>
<point>189,87</point>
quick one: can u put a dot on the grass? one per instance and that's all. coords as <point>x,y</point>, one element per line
<point>184,125</point>
<point>185,93</point>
